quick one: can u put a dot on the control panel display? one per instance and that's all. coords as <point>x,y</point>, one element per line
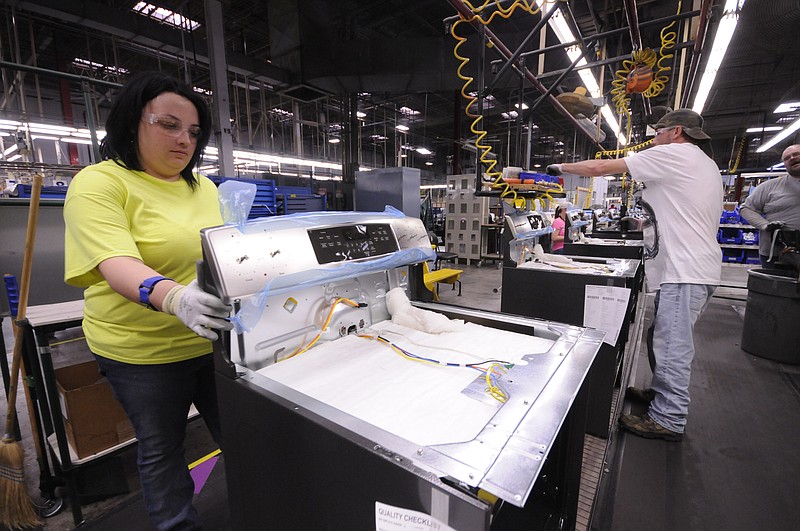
<point>351,242</point>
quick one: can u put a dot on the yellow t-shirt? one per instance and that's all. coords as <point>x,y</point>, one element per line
<point>111,211</point>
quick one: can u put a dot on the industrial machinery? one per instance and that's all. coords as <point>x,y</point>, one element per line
<point>345,406</point>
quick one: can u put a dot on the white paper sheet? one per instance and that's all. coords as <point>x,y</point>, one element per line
<point>604,309</point>
<point>419,402</point>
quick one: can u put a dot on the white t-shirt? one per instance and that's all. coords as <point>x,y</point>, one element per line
<point>684,187</point>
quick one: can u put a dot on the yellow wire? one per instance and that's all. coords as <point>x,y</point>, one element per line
<point>327,322</point>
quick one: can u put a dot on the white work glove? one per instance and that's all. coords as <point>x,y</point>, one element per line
<point>554,169</point>
<point>198,310</point>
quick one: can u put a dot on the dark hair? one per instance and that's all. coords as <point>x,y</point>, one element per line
<point>122,126</point>
<point>559,209</point>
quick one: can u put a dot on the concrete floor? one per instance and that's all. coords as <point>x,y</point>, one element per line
<point>480,290</point>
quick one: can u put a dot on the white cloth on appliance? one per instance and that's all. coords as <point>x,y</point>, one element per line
<point>419,402</point>
<point>406,315</point>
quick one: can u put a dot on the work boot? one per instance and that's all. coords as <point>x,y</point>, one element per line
<point>644,426</point>
<point>643,396</point>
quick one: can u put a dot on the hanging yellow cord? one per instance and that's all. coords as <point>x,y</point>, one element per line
<point>484,150</point>
<point>733,165</point>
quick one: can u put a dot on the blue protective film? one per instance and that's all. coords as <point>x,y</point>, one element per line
<point>251,308</point>
<point>235,201</point>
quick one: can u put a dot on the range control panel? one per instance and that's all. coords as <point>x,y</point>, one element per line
<point>351,242</point>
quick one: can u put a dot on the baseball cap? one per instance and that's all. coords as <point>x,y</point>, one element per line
<point>690,121</point>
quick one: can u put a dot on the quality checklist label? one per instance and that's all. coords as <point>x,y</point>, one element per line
<point>390,518</point>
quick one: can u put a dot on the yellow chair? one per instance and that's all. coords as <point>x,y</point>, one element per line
<point>431,279</point>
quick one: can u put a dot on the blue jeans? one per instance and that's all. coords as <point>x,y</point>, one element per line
<point>157,399</point>
<point>677,308</point>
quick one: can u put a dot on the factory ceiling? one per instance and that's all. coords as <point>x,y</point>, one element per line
<point>295,68</point>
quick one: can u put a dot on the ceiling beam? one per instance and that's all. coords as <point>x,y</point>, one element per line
<point>139,29</point>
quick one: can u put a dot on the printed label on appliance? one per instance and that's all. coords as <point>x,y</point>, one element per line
<point>390,518</point>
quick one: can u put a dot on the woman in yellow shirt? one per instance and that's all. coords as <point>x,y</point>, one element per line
<point>132,240</point>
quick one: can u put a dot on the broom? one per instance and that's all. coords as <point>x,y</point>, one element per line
<point>16,508</point>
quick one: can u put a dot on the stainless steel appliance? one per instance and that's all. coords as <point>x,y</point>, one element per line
<point>335,416</point>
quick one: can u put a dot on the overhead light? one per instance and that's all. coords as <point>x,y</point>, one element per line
<point>609,177</point>
<point>783,107</point>
<point>432,186</point>
<point>408,111</point>
<point>780,136</point>
<point>423,151</point>
<point>361,114</point>
<point>10,150</point>
<point>725,29</point>
<point>402,128</point>
<point>537,165</point>
<point>15,157</point>
<point>43,137</point>
<point>165,15</point>
<point>75,140</point>
<point>334,140</point>
<point>763,129</point>
<point>524,105</point>
<point>429,163</point>
<point>9,124</point>
<point>403,155</point>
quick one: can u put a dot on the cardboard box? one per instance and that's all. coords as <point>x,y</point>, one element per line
<point>93,418</point>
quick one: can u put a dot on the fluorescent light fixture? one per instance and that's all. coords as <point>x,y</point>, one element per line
<point>524,105</point>
<point>403,155</point>
<point>85,63</point>
<point>360,114</point>
<point>763,129</point>
<point>537,165</point>
<point>780,136</point>
<point>53,129</point>
<point>165,15</point>
<point>9,124</point>
<point>777,167</point>
<point>334,140</point>
<point>725,29</point>
<point>408,111</point>
<point>403,128</point>
<point>783,107</point>
<point>432,186</point>
<point>560,27</point>
<point>429,163</point>
<point>609,177</point>
<point>423,151</point>
<point>75,140</point>
<point>10,150</point>
<point>43,137</point>
<point>15,157</point>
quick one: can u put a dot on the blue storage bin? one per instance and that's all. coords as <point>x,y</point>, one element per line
<point>729,235</point>
<point>48,192</point>
<point>751,256</point>
<point>733,256</point>
<point>730,217</point>
<point>750,236</point>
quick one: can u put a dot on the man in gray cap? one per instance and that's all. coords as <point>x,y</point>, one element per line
<point>775,204</point>
<point>684,188</point>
